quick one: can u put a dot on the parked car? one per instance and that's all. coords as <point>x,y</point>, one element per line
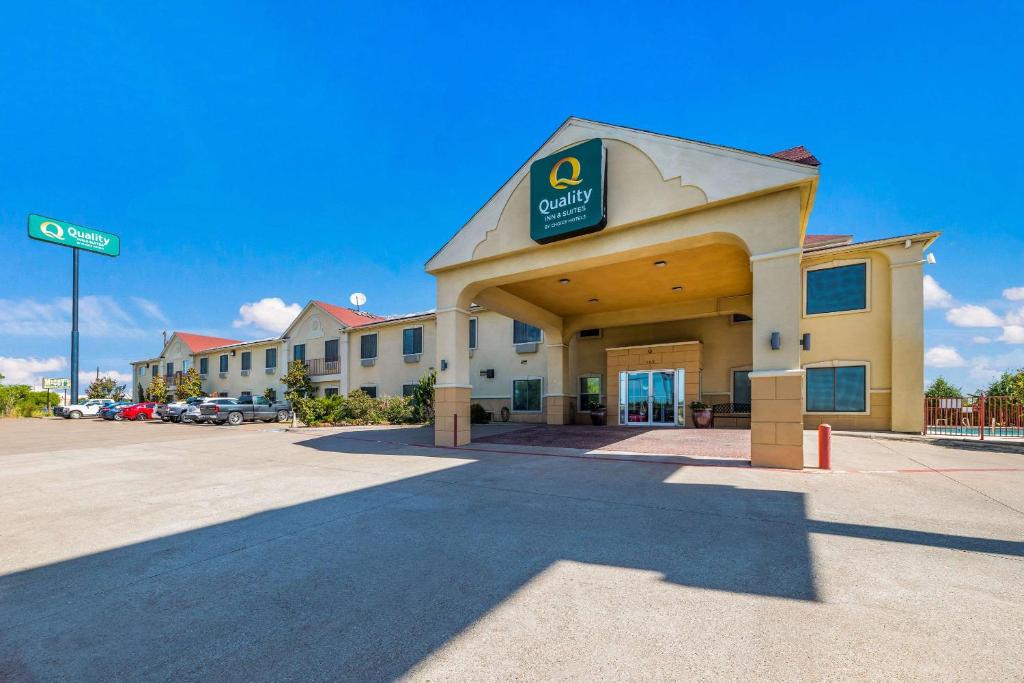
<point>113,411</point>
<point>209,410</point>
<point>178,411</point>
<point>140,412</point>
<point>246,409</point>
<point>90,408</point>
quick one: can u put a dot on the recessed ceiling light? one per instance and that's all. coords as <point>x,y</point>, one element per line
<point>592,301</point>
<point>677,288</point>
<point>659,264</point>
<point>564,281</point>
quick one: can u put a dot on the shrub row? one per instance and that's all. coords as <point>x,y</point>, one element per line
<point>357,408</point>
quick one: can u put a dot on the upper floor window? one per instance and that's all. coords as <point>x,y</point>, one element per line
<point>271,358</point>
<point>412,340</point>
<point>299,352</point>
<point>368,346</point>
<point>837,288</point>
<point>224,363</point>
<point>840,389</point>
<point>525,334</point>
<point>473,325</point>
<point>170,369</point>
<point>204,366</point>
<point>331,350</point>
<point>247,360</point>
<point>155,368</point>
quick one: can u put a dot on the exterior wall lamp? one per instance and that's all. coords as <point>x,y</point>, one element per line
<point>776,341</point>
<point>444,365</point>
<point>805,341</point>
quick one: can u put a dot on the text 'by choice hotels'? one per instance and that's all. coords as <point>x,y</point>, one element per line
<point>70,235</point>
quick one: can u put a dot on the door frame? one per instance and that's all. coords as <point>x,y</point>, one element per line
<point>624,397</point>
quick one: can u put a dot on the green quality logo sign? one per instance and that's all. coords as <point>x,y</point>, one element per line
<point>70,235</point>
<point>567,193</point>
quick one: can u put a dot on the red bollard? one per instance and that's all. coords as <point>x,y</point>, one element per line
<point>824,447</point>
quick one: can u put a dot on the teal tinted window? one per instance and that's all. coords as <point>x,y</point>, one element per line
<point>843,288</point>
<point>247,360</point>
<point>525,334</point>
<point>526,395</point>
<point>270,359</point>
<point>299,352</point>
<point>741,386</point>
<point>836,390</point>
<point>412,340</point>
<point>368,346</point>
<point>224,363</point>
<point>204,366</point>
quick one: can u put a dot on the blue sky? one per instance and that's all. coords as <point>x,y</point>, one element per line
<point>253,150</point>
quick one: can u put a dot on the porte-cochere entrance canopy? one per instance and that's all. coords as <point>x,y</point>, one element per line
<point>689,232</point>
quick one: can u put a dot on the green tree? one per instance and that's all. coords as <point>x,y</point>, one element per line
<point>101,387</point>
<point>423,397</point>
<point>190,384</point>
<point>270,394</point>
<point>297,384</point>
<point>1009,384</point>
<point>941,388</point>
<point>157,390</point>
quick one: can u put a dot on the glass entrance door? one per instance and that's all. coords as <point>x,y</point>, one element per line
<point>647,397</point>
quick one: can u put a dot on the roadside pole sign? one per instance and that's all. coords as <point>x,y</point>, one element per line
<point>56,383</point>
<point>70,235</point>
<point>77,237</point>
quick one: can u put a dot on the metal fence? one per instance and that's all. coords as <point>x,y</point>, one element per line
<point>975,416</point>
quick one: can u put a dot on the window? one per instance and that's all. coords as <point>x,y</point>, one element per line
<point>330,391</point>
<point>224,363</point>
<point>412,341</point>
<point>741,386</point>
<point>299,352</point>
<point>525,334</point>
<point>591,333</point>
<point>738,318</point>
<point>840,389</point>
<point>247,360</point>
<point>247,393</point>
<point>590,392</point>
<point>272,394</point>
<point>369,391</point>
<point>170,369</point>
<point>204,366</point>
<point>155,368</point>
<point>368,346</point>
<point>408,390</point>
<point>331,351</point>
<point>836,289</point>
<point>526,395</point>
<point>472,332</point>
<point>271,358</point>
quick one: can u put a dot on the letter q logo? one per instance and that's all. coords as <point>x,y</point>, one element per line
<point>52,230</point>
<point>563,183</point>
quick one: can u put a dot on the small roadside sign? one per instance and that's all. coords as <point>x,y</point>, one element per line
<point>70,235</point>
<point>56,383</point>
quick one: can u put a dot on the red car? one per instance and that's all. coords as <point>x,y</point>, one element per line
<point>140,412</point>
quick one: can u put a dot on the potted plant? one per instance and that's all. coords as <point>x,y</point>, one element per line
<point>599,415</point>
<point>702,415</point>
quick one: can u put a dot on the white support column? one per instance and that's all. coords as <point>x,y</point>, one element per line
<point>907,292</point>
<point>452,391</point>
<point>344,367</point>
<point>558,399</point>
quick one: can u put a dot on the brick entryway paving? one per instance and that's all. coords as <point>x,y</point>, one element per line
<point>706,443</point>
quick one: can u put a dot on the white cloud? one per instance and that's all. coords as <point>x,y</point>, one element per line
<point>944,357</point>
<point>934,295</point>
<point>98,316</point>
<point>1015,317</point>
<point>151,308</point>
<point>29,370</point>
<point>86,377</point>
<point>271,314</point>
<point>1014,293</point>
<point>981,340</point>
<point>1012,334</point>
<point>973,316</point>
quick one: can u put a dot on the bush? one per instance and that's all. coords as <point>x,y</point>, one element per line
<point>478,415</point>
<point>358,408</point>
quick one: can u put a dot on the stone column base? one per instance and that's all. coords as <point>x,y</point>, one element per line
<point>559,409</point>
<point>449,402</point>
<point>776,420</point>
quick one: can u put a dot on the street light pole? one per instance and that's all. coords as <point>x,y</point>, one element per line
<point>74,325</point>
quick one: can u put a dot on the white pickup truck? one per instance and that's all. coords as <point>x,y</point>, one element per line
<point>90,408</point>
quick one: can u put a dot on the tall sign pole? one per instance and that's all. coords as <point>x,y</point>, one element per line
<point>74,324</point>
<point>78,238</point>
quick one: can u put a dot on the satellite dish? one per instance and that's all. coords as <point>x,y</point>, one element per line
<point>357,299</point>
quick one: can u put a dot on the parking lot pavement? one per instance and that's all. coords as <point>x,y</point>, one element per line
<point>368,555</point>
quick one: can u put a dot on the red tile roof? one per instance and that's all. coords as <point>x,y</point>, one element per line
<point>799,154</point>
<point>348,317</point>
<point>201,342</point>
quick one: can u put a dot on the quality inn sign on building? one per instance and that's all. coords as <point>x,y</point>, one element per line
<point>567,193</point>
